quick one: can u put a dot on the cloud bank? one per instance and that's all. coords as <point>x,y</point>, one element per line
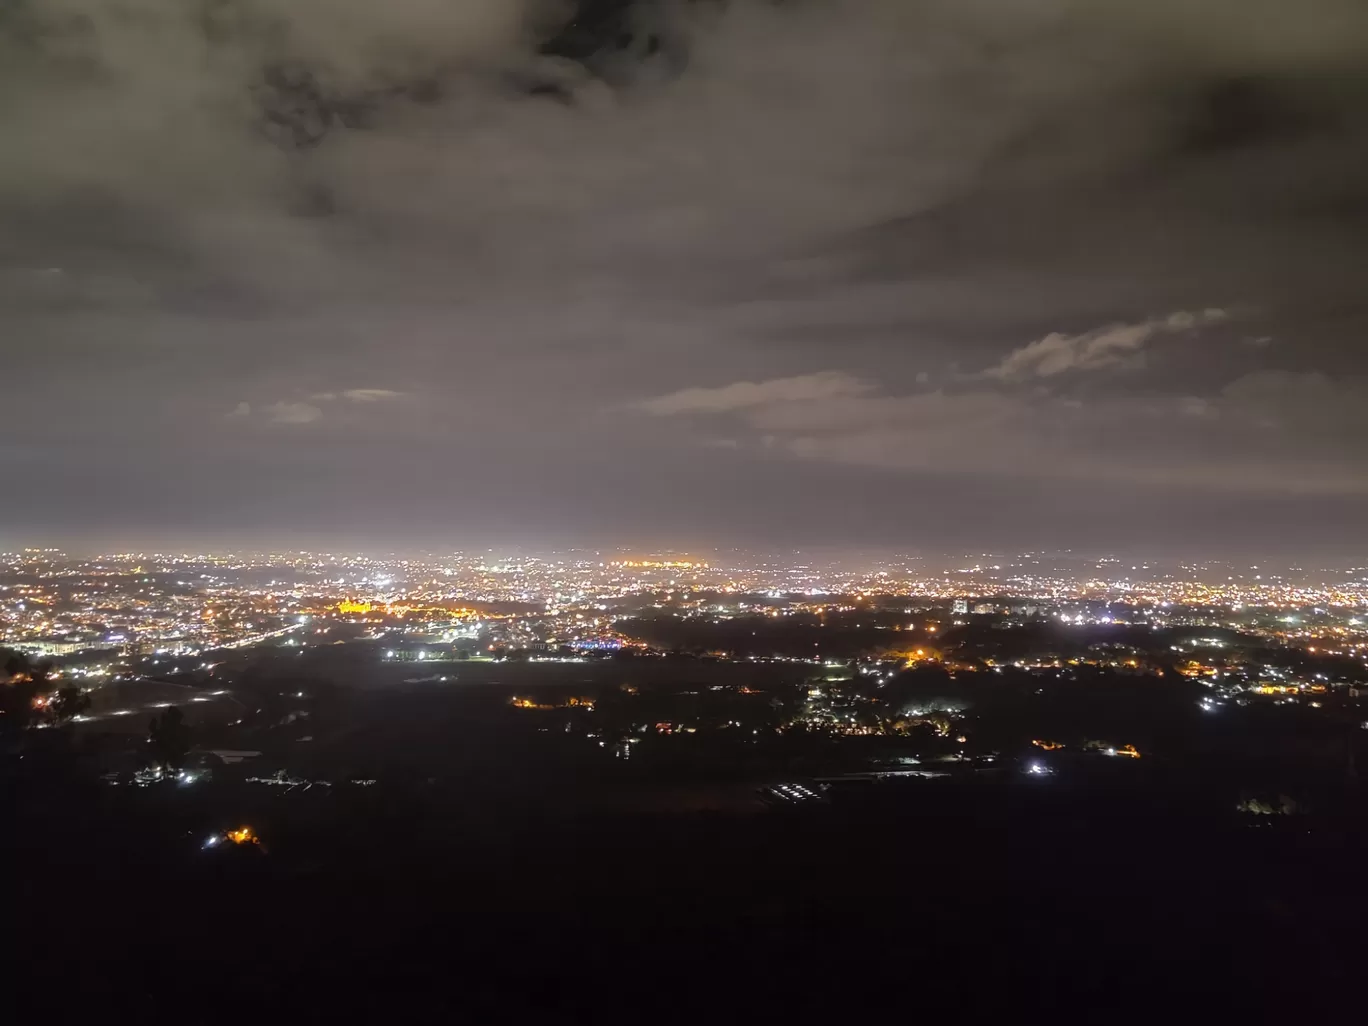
<point>902,237</point>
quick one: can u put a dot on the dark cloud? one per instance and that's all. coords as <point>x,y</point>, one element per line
<point>989,247</point>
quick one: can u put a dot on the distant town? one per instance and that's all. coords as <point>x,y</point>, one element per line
<point>740,646</point>
<point>125,606</point>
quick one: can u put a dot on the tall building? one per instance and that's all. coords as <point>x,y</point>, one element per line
<point>960,606</point>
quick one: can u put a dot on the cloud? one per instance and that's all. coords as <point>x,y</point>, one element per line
<point>1305,428</point>
<point>293,413</point>
<point>358,395</point>
<point>1112,346</point>
<point>1180,443</point>
<point>370,395</point>
<point>290,411</point>
<point>1310,409</point>
<point>748,394</point>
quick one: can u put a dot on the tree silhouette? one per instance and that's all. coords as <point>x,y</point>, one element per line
<point>66,703</point>
<point>20,668</point>
<point>23,680</point>
<point>169,739</point>
<point>16,663</point>
<point>16,704</point>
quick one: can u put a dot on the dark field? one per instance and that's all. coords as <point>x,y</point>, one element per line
<point>504,868</point>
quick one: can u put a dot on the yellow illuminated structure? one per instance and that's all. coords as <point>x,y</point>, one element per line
<point>348,606</point>
<point>573,702</point>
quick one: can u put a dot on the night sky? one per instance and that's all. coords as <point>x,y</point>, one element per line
<point>867,273</point>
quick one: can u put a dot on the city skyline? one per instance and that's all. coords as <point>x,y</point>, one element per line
<point>930,562</point>
<point>119,619</point>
